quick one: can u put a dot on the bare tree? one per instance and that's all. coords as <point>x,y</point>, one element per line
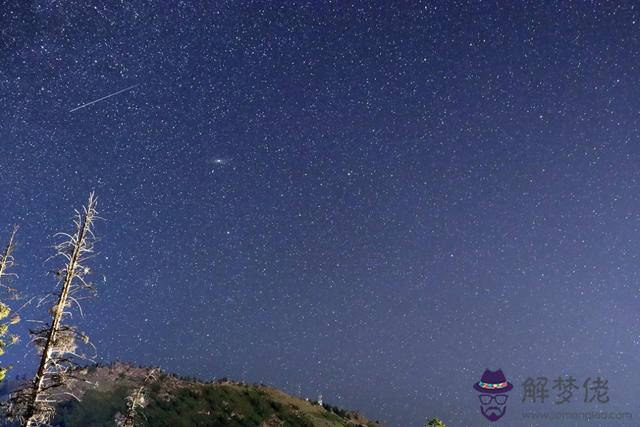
<point>57,341</point>
<point>6,262</point>
<point>136,401</point>
<point>6,258</point>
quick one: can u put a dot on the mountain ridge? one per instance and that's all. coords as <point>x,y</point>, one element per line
<point>174,401</point>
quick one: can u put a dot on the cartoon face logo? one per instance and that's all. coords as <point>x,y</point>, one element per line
<point>492,389</point>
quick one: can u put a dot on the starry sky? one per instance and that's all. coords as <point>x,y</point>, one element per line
<point>370,200</point>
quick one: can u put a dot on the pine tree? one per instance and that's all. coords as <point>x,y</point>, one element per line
<point>6,262</point>
<point>58,341</point>
<point>435,422</point>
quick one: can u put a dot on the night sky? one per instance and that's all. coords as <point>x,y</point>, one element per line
<point>370,200</point>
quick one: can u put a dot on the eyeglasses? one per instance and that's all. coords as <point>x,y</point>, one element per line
<point>500,399</point>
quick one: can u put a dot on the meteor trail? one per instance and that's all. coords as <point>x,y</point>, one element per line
<point>104,97</point>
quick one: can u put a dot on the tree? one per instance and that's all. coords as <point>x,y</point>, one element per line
<point>57,341</point>
<point>6,262</point>
<point>136,401</point>
<point>6,259</point>
<point>435,422</point>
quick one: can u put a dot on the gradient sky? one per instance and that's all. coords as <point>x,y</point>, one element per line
<point>370,200</point>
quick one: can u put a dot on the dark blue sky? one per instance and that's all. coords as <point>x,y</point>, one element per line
<point>370,200</point>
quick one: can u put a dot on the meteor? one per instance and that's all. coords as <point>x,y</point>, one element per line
<point>104,97</point>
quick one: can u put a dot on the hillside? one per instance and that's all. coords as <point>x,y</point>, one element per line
<point>177,402</point>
